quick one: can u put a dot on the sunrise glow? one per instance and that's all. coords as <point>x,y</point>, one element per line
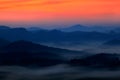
<point>60,11</point>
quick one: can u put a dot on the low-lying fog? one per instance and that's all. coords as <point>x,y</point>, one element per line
<point>64,71</point>
<point>58,72</point>
<point>89,47</point>
<point>74,46</point>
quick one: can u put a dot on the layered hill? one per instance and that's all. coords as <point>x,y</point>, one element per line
<point>98,60</point>
<point>26,53</point>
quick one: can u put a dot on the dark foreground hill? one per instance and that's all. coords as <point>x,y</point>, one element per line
<point>98,60</point>
<point>25,53</point>
<point>4,42</point>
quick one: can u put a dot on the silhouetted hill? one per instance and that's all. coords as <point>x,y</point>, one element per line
<point>14,34</point>
<point>77,27</point>
<point>117,30</point>
<point>28,46</point>
<point>34,29</point>
<point>80,27</point>
<point>4,27</point>
<point>115,42</point>
<point>3,42</point>
<point>55,36</point>
<point>24,53</point>
<point>98,60</point>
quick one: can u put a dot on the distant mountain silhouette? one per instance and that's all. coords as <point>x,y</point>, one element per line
<point>55,36</point>
<point>13,34</point>
<point>115,42</point>
<point>98,60</point>
<point>4,27</point>
<point>117,30</point>
<point>77,27</point>
<point>80,27</point>
<point>34,29</point>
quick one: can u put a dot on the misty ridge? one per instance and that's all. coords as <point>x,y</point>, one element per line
<point>77,37</point>
<point>73,53</point>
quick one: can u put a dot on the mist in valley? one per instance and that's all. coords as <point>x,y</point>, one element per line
<point>58,55</point>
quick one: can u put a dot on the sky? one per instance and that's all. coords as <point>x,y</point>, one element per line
<point>59,12</point>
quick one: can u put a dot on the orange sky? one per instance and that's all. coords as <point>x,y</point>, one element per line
<point>59,11</point>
